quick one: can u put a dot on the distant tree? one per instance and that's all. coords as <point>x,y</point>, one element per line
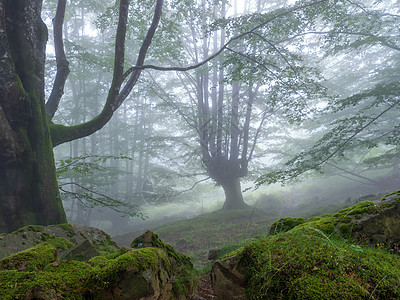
<point>231,101</point>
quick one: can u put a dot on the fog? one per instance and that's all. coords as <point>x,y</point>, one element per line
<point>300,113</point>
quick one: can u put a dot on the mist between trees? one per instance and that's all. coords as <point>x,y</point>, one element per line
<point>177,103</point>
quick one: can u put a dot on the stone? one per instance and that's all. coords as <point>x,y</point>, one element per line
<point>40,293</point>
<point>145,240</point>
<point>82,252</point>
<point>213,254</point>
<point>382,226</point>
<point>227,281</point>
<point>29,236</point>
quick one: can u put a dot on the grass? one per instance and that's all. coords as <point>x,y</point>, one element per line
<point>195,237</point>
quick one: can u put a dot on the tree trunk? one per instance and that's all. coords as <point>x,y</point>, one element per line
<point>227,173</point>
<point>28,186</point>
<point>233,195</point>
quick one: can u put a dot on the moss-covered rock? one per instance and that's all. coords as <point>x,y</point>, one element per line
<point>63,236</point>
<point>32,259</point>
<point>151,239</point>
<point>366,221</point>
<point>134,275</point>
<point>151,272</point>
<point>285,224</point>
<point>322,258</point>
<point>82,252</point>
<point>304,263</point>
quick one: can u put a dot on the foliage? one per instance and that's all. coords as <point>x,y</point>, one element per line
<point>91,166</point>
<point>359,112</point>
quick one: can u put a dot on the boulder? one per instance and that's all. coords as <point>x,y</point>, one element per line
<point>150,269</point>
<point>155,272</point>
<point>64,236</point>
<point>381,225</point>
<point>139,274</point>
<point>145,240</point>
<point>82,252</point>
<point>40,293</point>
<point>227,281</point>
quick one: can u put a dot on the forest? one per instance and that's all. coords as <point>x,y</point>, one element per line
<point>196,116</point>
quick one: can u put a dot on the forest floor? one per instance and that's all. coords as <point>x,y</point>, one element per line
<point>204,289</point>
<point>224,231</point>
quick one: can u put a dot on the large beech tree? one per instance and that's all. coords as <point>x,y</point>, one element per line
<point>28,186</point>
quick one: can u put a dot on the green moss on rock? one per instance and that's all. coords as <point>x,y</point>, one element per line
<point>35,258</point>
<point>135,273</point>
<point>285,224</point>
<point>305,263</point>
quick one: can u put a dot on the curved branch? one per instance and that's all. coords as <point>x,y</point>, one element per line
<point>142,54</point>
<point>61,60</point>
<point>61,134</point>
<point>225,46</point>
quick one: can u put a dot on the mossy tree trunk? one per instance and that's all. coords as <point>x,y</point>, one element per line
<point>28,186</point>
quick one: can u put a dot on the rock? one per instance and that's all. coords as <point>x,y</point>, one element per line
<point>366,197</point>
<point>285,224</point>
<point>227,281</point>
<point>145,240</point>
<point>82,252</point>
<point>380,226</point>
<point>145,273</point>
<point>213,254</point>
<point>30,236</point>
<point>40,293</point>
<point>35,258</point>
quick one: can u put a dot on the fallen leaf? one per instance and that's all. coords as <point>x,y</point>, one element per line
<point>22,267</point>
<point>55,264</point>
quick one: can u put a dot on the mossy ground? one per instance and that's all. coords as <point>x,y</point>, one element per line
<point>223,230</point>
<point>304,263</point>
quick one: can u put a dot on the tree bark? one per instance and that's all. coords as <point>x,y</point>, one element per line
<point>233,195</point>
<point>28,186</point>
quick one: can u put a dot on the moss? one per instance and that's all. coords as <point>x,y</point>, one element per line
<point>304,263</point>
<point>396,193</point>
<point>35,228</point>
<point>345,230</point>
<point>335,224</point>
<point>137,261</point>
<point>31,259</point>
<point>67,227</point>
<point>98,261</point>
<point>285,224</point>
<point>59,242</point>
<point>110,252</point>
<point>156,242</point>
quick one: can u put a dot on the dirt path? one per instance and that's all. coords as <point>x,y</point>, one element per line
<point>204,289</point>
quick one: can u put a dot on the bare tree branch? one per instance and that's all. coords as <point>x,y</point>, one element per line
<point>225,46</point>
<point>61,60</point>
